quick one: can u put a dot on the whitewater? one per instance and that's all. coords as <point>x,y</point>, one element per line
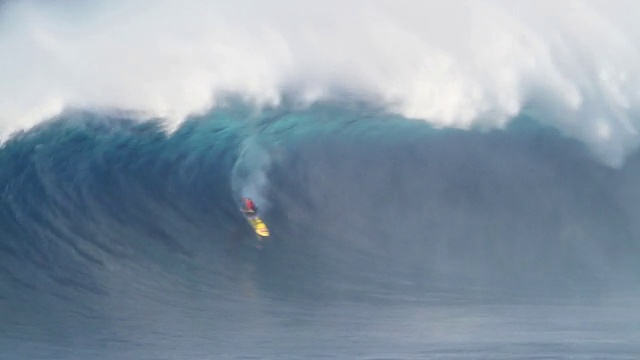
<point>441,180</point>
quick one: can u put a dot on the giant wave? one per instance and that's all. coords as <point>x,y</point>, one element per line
<point>418,174</point>
<point>348,191</point>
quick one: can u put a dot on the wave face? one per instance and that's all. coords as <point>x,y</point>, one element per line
<point>114,230</point>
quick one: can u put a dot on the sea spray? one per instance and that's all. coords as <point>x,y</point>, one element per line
<point>249,174</point>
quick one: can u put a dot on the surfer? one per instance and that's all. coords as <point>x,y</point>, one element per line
<point>251,213</point>
<point>249,207</point>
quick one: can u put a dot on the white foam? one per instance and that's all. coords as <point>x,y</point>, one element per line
<point>462,63</point>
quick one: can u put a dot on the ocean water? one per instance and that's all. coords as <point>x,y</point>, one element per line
<point>459,188</point>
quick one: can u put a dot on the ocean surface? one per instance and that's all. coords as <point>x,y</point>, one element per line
<point>441,181</point>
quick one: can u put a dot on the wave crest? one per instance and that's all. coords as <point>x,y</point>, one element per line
<point>462,64</point>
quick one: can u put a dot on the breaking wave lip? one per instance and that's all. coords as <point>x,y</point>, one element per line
<point>462,64</point>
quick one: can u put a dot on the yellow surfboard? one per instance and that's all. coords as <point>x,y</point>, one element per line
<point>258,225</point>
